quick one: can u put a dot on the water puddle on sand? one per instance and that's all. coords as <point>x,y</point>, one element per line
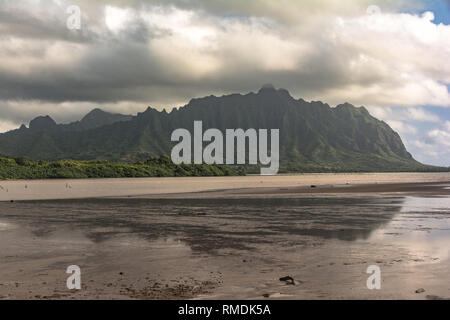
<point>422,227</point>
<point>6,226</point>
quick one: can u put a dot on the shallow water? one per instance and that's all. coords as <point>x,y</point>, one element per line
<point>240,247</point>
<point>422,226</point>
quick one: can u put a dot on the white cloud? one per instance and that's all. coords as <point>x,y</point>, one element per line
<point>406,53</point>
<point>447,125</point>
<point>117,18</point>
<point>418,114</point>
<point>431,146</point>
<point>402,127</point>
<point>7,125</point>
<point>440,137</point>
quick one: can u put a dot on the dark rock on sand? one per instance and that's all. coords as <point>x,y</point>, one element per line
<point>420,290</point>
<point>288,280</point>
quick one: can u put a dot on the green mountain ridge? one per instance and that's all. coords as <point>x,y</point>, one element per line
<point>314,137</point>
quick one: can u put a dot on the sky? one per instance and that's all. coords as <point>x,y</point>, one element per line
<point>391,56</point>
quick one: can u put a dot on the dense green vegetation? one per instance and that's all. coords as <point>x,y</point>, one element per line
<point>23,168</point>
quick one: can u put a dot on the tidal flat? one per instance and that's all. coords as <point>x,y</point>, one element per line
<point>235,243</point>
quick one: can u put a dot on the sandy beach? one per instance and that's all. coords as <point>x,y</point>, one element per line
<point>230,239</point>
<point>150,187</point>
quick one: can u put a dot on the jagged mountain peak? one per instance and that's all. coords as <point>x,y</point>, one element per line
<point>94,113</point>
<point>98,117</point>
<point>42,123</point>
<point>267,87</point>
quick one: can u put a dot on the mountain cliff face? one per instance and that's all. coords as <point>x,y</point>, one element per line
<point>313,136</point>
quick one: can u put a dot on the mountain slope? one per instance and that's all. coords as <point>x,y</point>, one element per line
<point>313,136</point>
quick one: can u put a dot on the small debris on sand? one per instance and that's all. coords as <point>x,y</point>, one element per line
<point>288,280</point>
<point>420,290</point>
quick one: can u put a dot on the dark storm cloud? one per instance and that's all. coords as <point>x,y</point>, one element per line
<point>118,71</point>
<point>169,51</point>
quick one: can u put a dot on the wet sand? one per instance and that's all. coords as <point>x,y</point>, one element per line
<point>233,244</point>
<point>421,189</point>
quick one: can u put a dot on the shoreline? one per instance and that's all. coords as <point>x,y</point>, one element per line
<point>231,186</point>
<point>419,189</point>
